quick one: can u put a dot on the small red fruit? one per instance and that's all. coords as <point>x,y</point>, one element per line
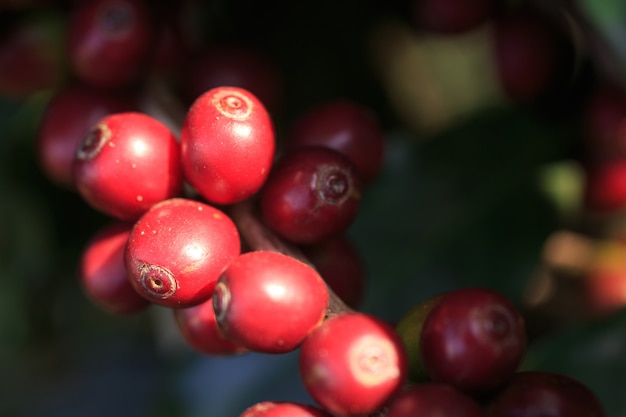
<point>540,393</point>
<point>127,163</point>
<point>605,185</point>
<point>66,120</point>
<point>312,194</point>
<point>103,274</point>
<point>110,42</point>
<point>283,409</point>
<point>177,251</point>
<point>433,399</point>
<point>199,328</point>
<point>228,144</point>
<point>269,302</point>
<point>473,339</point>
<point>352,364</point>
<point>347,127</point>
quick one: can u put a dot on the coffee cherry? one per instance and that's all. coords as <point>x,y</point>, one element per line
<point>66,120</point>
<point>127,163</point>
<point>341,267</point>
<point>177,251</point>
<point>605,186</point>
<point>103,274</point>
<point>228,144</point>
<point>347,127</point>
<point>236,66</point>
<point>269,302</point>
<point>199,328</point>
<point>352,364</point>
<point>283,409</point>
<point>410,330</point>
<point>473,338</point>
<point>451,16</point>
<point>110,41</point>
<point>311,195</point>
<point>526,54</point>
<point>433,399</point>
<point>540,393</point>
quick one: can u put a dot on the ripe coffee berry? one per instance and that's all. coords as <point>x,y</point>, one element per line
<point>352,364</point>
<point>283,409</point>
<point>473,339</point>
<point>127,163</point>
<point>110,41</point>
<point>433,399</point>
<point>605,185</point>
<point>177,250</point>
<point>269,302</point>
<point>539,393</point>
<point>66,120</point>
<point>199,328</point>
<point>227,143</point>
<point>346,127</point>
<point>103,274</point>
<point>311,195</point>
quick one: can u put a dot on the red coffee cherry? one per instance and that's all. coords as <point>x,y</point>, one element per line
<point>452,16</point>
<point>352,364</point>
<point>283,409</point>
<point>269,302</point>
<point>605,185</point>
<point>66,120</point>
<point>199,328</point>
<point>311,195</point>
<point>103,274</point>
<point>473,339</point>
<point>433,399</point>
<point>341,266</point>
<point>349,128</point>
<point>177,251</point>
<point>228,144</point>
<point>127,163</point>
<point>110,41</point>
<point>540,393</point>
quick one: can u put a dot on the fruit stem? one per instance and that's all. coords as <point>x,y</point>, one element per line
<point>257,236</point>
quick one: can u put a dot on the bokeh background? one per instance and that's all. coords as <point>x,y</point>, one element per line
<point>473,187</point>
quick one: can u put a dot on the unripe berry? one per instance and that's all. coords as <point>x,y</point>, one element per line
<point>177,250</point>
<point>352,364</point>
<point>269,302</point>
<point>126,164</point>
<point>227,143</point>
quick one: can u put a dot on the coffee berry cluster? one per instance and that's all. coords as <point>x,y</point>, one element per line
<point>241,231</point>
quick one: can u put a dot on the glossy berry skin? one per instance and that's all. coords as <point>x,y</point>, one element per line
<point>312,194</point>
<point>127,163</point>
<point>433,399</point>
<point>228,144</point>
<point>110,42</point>
<point>451,17</point>
<point>66,120</point>
<point>103,274</point>
<point>540,393</point>
<point>177,251</point>
<point>347,127</point>
<point>341,266</point>
<point>473,339</point>
<point>199,328</point>
<point>269,302</point>
<point>283,409</point>
<point>352,364</point>
<point>236,66</point>
<point>605,186</point>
